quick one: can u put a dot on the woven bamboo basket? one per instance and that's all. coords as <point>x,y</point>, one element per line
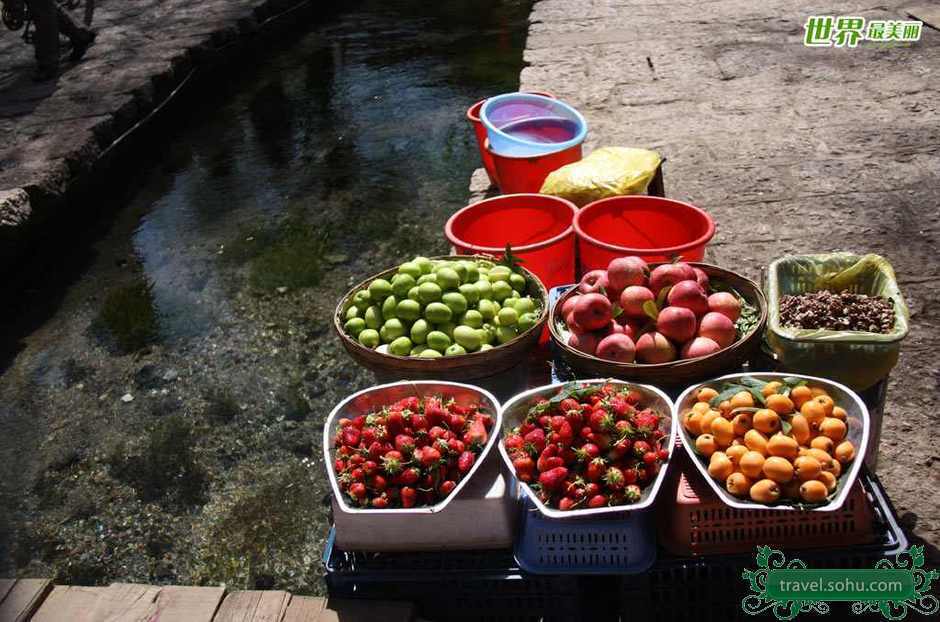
<point>682,371</point>
<point>473,365</point>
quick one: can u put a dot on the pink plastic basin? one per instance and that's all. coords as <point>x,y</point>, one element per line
<point>653,228</point>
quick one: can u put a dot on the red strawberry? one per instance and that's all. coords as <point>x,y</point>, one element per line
<point>633,397</point>
<point>339,465</point>
<point>477,432</point>
<point>485,419</point>
<point>620,448</point>
<point>566,503</point>
<point>513,441</point>
<point>456,446</point>
<point>568,403</point>
<point>536,438</point>
<point>649,457</point>
<point>447,487</point>
<point>429,457</point>
<point>395,422</point>
<point>379,483</point>
<point>525,467</point>
<point>587,452</point>
<point>359,421</point>
<point>434,411</point>
<point>575,419</point>
<point>663,454</point>
<point>369,467</point>
<point>629,476</point>
<point>614,478</point>
<point>623,428</point>
<point>351,436</point>
<point>591,489</point>
<point>357,459</point>
<point>344,422</point>
<point>597,419</point>
<point>367,437</point>
<point>596,469</point>
<point>409,476</point>
<point>375,450</point>
<point>456,422</point>
<point>553,478</point>
<point>640,448</point>
<point>404,443</point>
<point>408,496</point>
<point>545,421</point>
<point>597,501</point>
<point>358,490</point>
<point>419,422</point>
<point>646,420</point>
<point>357,474</point>
<point>380,502</point>
<point>465,461</point>
<point>549,459</point>
<point>436,432</point>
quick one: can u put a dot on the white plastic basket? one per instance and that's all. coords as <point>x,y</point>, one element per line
<point>858,423</point>
<point>515,410</point>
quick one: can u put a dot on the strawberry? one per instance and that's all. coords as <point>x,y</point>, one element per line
<point>569,404</point>
<point>404,443</point>
<point>649,457</point>
<point>633,397</point>
<point>357,459</point>
<point>586,433</point>
<point>663,454</point>
<point>436,432</point>
<point>419,422</point>
<point>394,422</point>
<point>344,422</point>
<point>485,419</point>
<point>409,476</point>
<point>513,441</point>
<point>357,474</point>
<point>632,493</point>
<point>367,437</point>
<point>408,497</point>
<point>640,448</point>
<point>549,459</point>
<point>447,487</point>
<point>566,503</point>
<point>434,411</point>
<point>410,403</point>
<point>596,469</point>
<point>646,420</point>
<point>620,448</point>
<point>587,452</point>
<point>465,461</point>
<point>575,419</point>
<point>591,489</point>
<point>380,502</point>
<point>477,432</point>
<point>456,446</point>
<point>525,467</point>
<point>456,422</point>
<point>620,406</point>
<point>597,419</point>
<point>614,478</point>
<point>536,438</point>
<point>375,450</point>
<point>597,501</point>
<point>429,457</point>
<point>629,476</point>
<point>359,422</point>
<point>358,490</point>
<point>553,478</point>
<point>339,465</point>
<point>369,467</point>
<point>351,436</point>
<point>379,483</point>
<point>623,428</point>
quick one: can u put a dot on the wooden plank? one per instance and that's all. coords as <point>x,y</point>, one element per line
<point>304,609</point>
<point>179,603</point>
<point>23,599</point>
<point>5,586</point>
<point>347,610</point>
<point>68,603</point>
<point>253,606</point>
<point>126,602</point>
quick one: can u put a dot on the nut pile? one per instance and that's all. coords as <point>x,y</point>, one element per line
<point>838,311</point>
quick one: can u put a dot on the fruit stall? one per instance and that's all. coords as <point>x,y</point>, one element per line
<point>578,417</point>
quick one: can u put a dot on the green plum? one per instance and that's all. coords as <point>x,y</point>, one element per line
<point>507,316</point>
<point>448,279</point>
<point>518,282</point>
<point>409,310</point>
<point>423,263</point>
<point>487,333</point>
<point>505,333</point>
<point>353,311</point>
<point>413,294</point>
<point>501,291</point>
<point>400,346</point>
<point>391,330</point>
<point>437,340</point>
<point>472,318</point>
<point>515,294</point>
<point>485,289</point>
<point>524,305</point>
<point>417,350</point>
<point>429,292</point>
<point>354,326</point>
<point>467,337</point>
<point>460,267</point>
<point>447,328</point>
<point>455,350</point>
<point>362,299</point>
<point>473,273</point>
<point>380,289</point>
<point>437,313</point>
<point>419,331</point>
<point>373,317</point>
<point>430,354</point>
<point>389,306</point>
<point>410,268</point>
<point>487,309</point>
<point>427,278</point>
<point>401,283</point>
<point>456,302</point>
<point>527,321</point>
<point>369,338</point>
<point>499,273</point>
<point>470,292</point>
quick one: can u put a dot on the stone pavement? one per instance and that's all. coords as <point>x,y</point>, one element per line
<point>791,149</point>
<point>55,132</point>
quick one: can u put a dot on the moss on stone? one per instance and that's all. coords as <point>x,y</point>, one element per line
<point>129,316</point>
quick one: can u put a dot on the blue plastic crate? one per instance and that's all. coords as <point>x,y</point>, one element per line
<point>620,544</point>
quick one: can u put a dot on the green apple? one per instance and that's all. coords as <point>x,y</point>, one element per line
<point>507,316</point>
<point>401,283</point>
<point>501,290</point>
<point>467,337</point>
<point>505,333</point>
<point>427,278</point>
<point>485,289</point>
<point>456,302</point>
<point>419,331</point>
<point>499,273</point>
<point>369,338</point>
<point>430,354</point>
<point>455,350</point>
<point>389,306</point>
<point>373,317</point>
<point>354,326</point>
<point>362,299</point>
<point>400,346</point>
<point>527,321</point>
<point>391,330</point>
<point>517,281</point>
<point>487,309</point>
<point>437,313</point>
<point>472,318</point>
<point>413,294</point>
<point>352,311</point>
<point>429,292</point>
<point>437,340</point>
<point>448,279</point>
<point>407,309</point>
<point>410,268</point>
<point>447,328</point>
<point>423,263</point>
<point>380,289</point>
<point>470,292</point>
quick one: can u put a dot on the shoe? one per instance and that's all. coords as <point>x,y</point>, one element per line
<point>79,49</point>
<point>44,74</point>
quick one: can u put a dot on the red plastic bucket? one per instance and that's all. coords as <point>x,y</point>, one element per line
<point>537,226</point>
<point>654,228</point>
<point>527,173</point>
<point>473,116</point>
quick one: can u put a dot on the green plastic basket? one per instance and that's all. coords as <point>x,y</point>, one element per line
<point>854,358</point>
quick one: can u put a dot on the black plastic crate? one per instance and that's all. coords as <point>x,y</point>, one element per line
<point>710,588</point>
<point>453,585</point>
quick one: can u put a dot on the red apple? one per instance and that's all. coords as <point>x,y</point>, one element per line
<point>725,304</point>
<point>688,294</point>
<point>670,274</point>
<point>616,347</point>
<point>585,342</point>
<point>593,282</point>
<point>700,346</point>
<point>592,311</point>
<point>568,306</point>
<point>623,272</point>
<point>677,323</point>
<point>632,300</point>
<point>653,347</point>
<point>572,325</point>
<point>717,327</point>
<point>701,277</point>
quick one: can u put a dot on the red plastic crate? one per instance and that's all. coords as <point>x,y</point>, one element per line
<point>698,523</point>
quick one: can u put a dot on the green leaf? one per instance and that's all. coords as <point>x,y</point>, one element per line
<point>726,394</point>
<point>758,396</point>
<point>509,260</point>
<point>753,382</point>
<point>744,409</point>
<point>792,382</point>
<point>785,426</point>
<point>663,294</point>
<point>616,312</point>
<point>651,309</point>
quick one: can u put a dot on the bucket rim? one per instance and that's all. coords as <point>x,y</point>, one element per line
<point>575,140</point>
<point>477,248</point>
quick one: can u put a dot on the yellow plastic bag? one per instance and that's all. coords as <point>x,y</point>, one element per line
<point>606,172</point>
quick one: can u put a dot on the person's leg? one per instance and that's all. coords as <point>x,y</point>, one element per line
<point>80,36</point>
<point>46,38</point>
